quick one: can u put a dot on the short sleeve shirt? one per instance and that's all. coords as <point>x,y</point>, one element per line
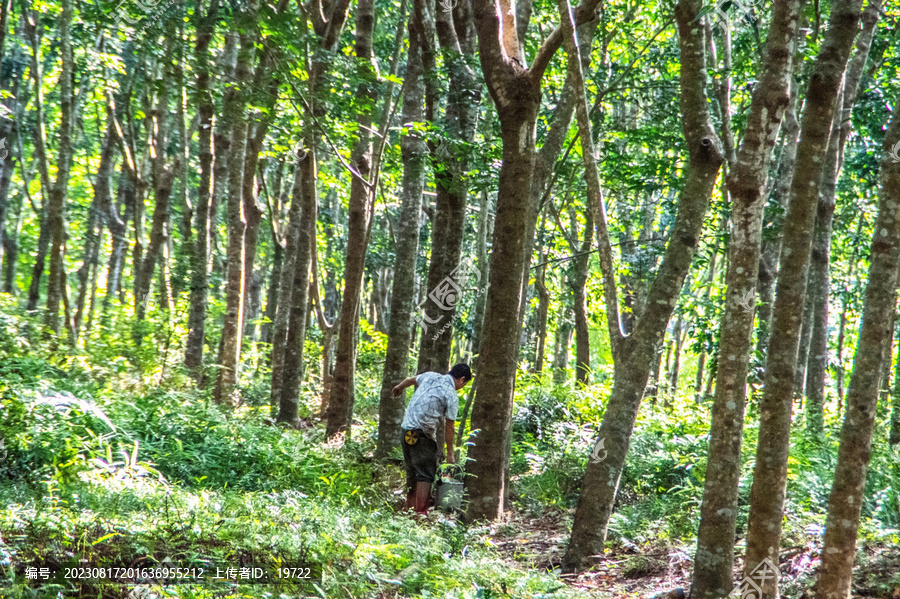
<point>434,399</point>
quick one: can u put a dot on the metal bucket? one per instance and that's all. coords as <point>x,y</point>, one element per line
<point>449,495</point>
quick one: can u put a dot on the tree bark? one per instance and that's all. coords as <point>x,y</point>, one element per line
<point>819,279</point>
<point>580,266</point>
<point>163,177</point>
<point>359,214</point>
<point>746,184</point>
<point>516,93</point>
<point>193,345</point>
<point>414,154</point>
<point>234,109</point>
<point>56,208</point>
<point>455,36</point>
<point>637,351</point>
<point>770,472</point>
<point>848,490</point>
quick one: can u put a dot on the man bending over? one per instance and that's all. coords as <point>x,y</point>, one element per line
<point>435,399</point>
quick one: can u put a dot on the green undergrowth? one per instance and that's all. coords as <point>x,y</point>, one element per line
<point>133,473</point>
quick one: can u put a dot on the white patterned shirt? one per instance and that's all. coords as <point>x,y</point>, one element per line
<point>435,399</point>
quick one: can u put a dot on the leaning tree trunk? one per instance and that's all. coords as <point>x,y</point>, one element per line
<point>746,182</point>
<point>848,490</point>
<point>637,351</point>
<point>234,108</point>
<point>770,471</point>
<point>340,405</point>
<point>414,153</point>
<point>819,280</point>
<point>193,345</point>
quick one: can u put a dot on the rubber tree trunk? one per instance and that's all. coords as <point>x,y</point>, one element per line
<point>770,471</point>
<point>286,289</point>
<point>579,281</point>
<point>256,135</point>
<point>199,297</point>
<point>297,307</point>
<point>414,153</point>
<point>485,227</point>
<point>222,157</point>
<point>819,279</point>
<point>295,281</point>
<point>234,108</point>
<point>848,489</point>
<point>56,208</point>
<point>40,151</point>
<point>163,176</point>
<point>516,93</point>
<point>771,247</point>
<point>339,413</point>
<point>455,37</point>
<point>637,351</point>
<point>718,511</point>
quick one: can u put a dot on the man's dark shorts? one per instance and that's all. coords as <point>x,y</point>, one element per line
<point>420,457</point>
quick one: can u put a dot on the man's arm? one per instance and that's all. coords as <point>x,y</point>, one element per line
<point>448,435</point>
<point>404,384</point>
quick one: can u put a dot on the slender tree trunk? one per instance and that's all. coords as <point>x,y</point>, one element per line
<point>542,313</point>
<point>118,229</point>
<point>845,501</point>
<point>485,228</point>
<point>516,93</point>
<point>819,280</point>
<point>56,208</point>
<point>221,159</point>
<point>771,245</point>
<point>635,355</point>
<point>234,109</point>
<point>40,150</point>
<point>803,348</point>
<point>163,177</point>
<point>193,345</point>
<point>455,36</point>
<point>286,288</point>
<point>340,406</point>
<point>840,372</point>
<point>298,305</point>
<point>770,472</point>
<point>582,331</point>
<point>746,182</point>
<point>414,153</point>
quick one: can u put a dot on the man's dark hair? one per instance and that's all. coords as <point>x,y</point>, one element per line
<point>461,371</point>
